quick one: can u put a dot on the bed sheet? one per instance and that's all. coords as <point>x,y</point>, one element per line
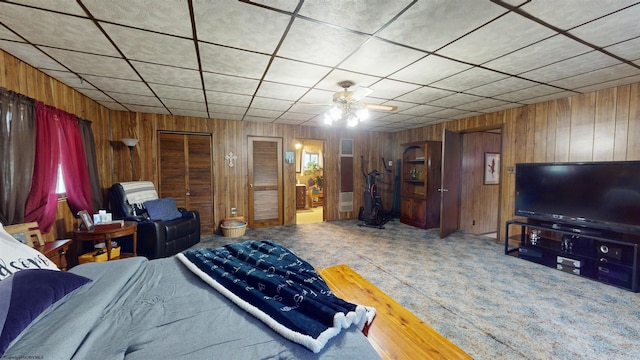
<point>140,309</point>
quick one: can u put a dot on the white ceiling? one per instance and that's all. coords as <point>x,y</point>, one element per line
<point>261,60</point>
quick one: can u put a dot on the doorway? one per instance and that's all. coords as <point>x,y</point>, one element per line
<point>309,181</point>
<point>472,205</point>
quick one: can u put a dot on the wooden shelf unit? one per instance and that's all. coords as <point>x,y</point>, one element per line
<point>420,180</point>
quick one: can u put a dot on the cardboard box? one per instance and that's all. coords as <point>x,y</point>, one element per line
<point>91,257</point>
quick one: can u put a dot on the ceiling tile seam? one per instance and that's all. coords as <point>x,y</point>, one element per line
<point>97,24</point>
<point>192,17</point>
<point>272,57</point>
<point>566,32</point>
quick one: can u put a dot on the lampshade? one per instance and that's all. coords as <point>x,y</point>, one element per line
<point>130,142</point>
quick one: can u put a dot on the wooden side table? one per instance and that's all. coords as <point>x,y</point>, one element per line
<point>56,251</point>
<point>106,235</point>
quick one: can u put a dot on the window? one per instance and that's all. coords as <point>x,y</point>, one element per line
<point>60,189</point>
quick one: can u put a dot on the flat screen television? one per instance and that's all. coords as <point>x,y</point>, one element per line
<point>596,195</point>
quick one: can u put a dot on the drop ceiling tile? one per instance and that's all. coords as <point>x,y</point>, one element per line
<point>224,116</point>
<point>260,119</point>
<point>597,76</point>
<point>226,109</point>
<point>469,79</point>
<point>236,24</point>
<point>153,47</point>
<point>270,104</point>
<point>190,113</point>
<point>148,109</point>
<point>543,53</point>
<point>309,109</point>
<point>429,25</point>
<point>222,98</point>
<point>629,50</point>
<point>34,56</point>
<point>430,69</point>
<point>319,43</point>
<point>611,29</point>
<point>63,6</point>
<point>502,107</point>
<point>185,105</point>
<point>450,113</point>
<point>390,89</point>
<point>364,16</point>
<point>129,99</point>
<point>6,34</point>
<point>330,82</point>
<point>610,84</point>
<point>531,92</point>
<point>88,64</point>
<point>228,61</point>
<point>264,113</point>
<point>178,93</point>
<point>501,87</point>
<point>424,95</point>
<point>500,37</point>
<point>283,121</point>
<point>295,73</point>
<point>481,104</point>
<point>55,30</point>
<point>419,110</point>
<point>553,96</point>
<point>112,105</point>
<point>564,14</point>
<point>295,116</point>
<point>455,100</point>
<point>69,78</point>
<point>380,58</point>
<point>280,91</point>
<point>231,84</point>
<point>286,5</point>
<point>169,17</point>
<point>96,95</point>
<point>571,67</point>
<point>168,75</point>
<point>118,85</point>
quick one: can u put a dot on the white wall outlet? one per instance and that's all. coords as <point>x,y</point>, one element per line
<point>390,163</point>
<point>234,211</point>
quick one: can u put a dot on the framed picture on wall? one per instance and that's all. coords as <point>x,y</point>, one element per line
<point>491,168</point>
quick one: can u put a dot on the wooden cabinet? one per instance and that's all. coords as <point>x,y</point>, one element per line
<point>420,177</point>
<point>56,251</point>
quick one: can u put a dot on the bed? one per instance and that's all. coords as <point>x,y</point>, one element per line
<point>145,309</point>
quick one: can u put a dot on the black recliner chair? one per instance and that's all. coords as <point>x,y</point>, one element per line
<point>156,238</point>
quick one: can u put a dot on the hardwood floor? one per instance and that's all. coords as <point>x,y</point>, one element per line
<point>395,333</point>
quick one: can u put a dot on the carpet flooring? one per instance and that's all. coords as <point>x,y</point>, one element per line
<point>491,305</point>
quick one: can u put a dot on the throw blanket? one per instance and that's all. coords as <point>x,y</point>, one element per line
<point>279,288</point>
<point>138,192</point>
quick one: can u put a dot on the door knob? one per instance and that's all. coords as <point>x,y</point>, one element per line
<point>251,186</point>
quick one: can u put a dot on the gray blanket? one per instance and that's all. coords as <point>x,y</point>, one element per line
<point>140,309</point>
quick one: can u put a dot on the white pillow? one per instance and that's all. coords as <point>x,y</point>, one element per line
<point>16,256</point>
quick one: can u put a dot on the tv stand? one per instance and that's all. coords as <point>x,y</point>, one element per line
<point>605,256</point>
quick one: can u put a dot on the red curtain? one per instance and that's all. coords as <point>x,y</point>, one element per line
<point>58,141</point>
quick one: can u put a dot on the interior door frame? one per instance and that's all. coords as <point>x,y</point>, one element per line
<point>324,162</point>
<point>461,175</point>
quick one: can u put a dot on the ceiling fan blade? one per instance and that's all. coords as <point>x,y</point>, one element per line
<point>380,107</point>
<point>359,93</point>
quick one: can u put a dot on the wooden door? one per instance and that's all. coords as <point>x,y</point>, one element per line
<point>265,182</point>
<point>185,173</point>
<point>450,185</point>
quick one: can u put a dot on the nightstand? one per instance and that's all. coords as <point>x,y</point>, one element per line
<point>56,251</point>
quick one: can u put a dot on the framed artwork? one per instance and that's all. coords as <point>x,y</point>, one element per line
<point>289,158</point>
<point>86,222</point>
<point>491,168</point>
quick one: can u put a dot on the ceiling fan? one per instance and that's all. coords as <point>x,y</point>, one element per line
<point>347,105</point>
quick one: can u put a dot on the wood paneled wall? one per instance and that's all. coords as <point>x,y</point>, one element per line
<point>599,126</point>
<point>603,125</point>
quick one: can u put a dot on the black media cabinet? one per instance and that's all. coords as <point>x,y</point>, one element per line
<point>605,256</point>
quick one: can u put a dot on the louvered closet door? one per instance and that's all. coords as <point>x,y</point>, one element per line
<point>186,174</point>
<point>265,182</point>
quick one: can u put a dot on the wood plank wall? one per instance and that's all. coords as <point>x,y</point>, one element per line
<point>603,125</point>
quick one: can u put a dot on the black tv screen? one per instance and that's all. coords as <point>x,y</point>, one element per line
<point>604,195</point>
